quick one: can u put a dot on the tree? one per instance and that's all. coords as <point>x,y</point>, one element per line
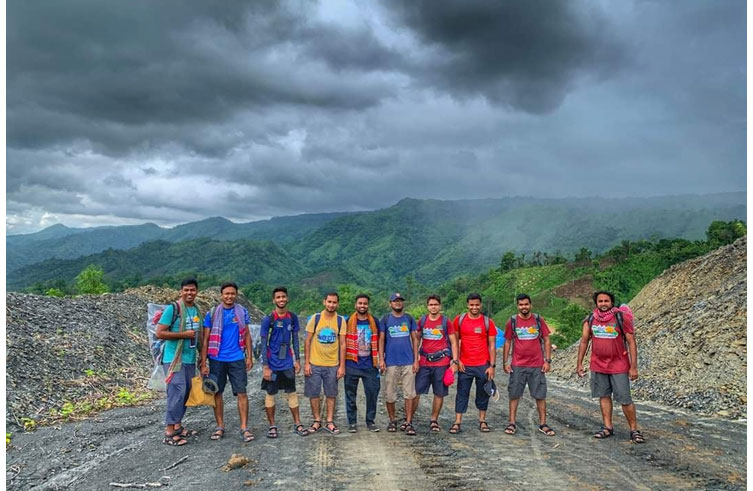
<point>721,233</point>
<point>583,255</point>
<point>90,280</point>
<point>507,262</point>
<point>54,292</point>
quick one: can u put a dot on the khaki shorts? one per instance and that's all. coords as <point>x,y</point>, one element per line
<point>404,375</point>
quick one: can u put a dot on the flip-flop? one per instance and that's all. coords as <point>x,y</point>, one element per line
<point>331,427</point>
<point>511,429</point>
<point>315,426</point>
<point>247,438</point>
<point>301,430</point>
<point>217,434</point>
<point>547,430</point>
<point>272,432</point>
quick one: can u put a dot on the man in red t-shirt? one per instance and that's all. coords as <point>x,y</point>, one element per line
<point>438,350</point>
<point>476,335</point>
<point>531,356</point>
<point>614,361</point>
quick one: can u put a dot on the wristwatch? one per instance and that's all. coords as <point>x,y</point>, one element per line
<point>548,360</point>
<point>455,362</point>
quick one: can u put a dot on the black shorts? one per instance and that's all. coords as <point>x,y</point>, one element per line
<point>285,380</point>
<point>220,371</point>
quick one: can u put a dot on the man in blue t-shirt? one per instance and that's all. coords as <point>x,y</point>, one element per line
<point>227,344</point>
<point>281,357</point>
<point>398,357</point>
<point>179,330</point>
<point>361,362</point>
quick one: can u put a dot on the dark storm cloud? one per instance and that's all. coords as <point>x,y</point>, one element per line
<point>104,71</point>
<point>124,112</point>
<point>527,54</point>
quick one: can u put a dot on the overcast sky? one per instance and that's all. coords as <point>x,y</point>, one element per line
<point>123,112</point>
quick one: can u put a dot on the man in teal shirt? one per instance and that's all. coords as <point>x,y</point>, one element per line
<point>179,332</point>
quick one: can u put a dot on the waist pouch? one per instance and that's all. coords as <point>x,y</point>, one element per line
<point>436,356</point>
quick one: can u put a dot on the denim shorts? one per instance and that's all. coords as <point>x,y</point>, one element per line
<point>321,376</point>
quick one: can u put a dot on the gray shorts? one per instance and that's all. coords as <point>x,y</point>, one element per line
<point>606,384</point>
<point>533,376</point>
<point>321,376</point>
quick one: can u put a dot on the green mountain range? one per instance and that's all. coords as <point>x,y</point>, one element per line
<point>429,240</point>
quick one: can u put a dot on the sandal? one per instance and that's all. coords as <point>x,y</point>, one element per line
<point>483,427</point>
<point>434,425</point>
<point>272,432</point>
<point>511,429</point>
<point>547,430</point>
<point>455,428</point>
<point>636,437</point>
<point>404,425</point>
<point>185,432</point>
<point>246,435</point>
<point>410,430</point>
<point>300,430</point>
<point>219,432</point>
<point>315,426</point>
<point>604,432</point>
<point>392,427</point>
<point>331,427</point>
<point>170,439</point>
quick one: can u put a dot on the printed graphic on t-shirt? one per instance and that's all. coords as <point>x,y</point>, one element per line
<point>432,333</point>
<point>604,332</point>
<point>400,331</point>
<point>526,333</point>
<point>326,335</point>
<point>364,339</point>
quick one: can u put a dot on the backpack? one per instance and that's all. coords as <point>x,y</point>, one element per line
<point>513,321</point>
<point>462,318</point>
<point>157,346</point>
<point>422,322</point>
<point>154,314</point>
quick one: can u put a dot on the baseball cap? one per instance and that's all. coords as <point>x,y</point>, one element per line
<point>491,388</point>
<point>396,296</point>
<point>209,385</point>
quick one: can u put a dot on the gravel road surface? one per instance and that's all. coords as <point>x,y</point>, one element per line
<point>123,446</point>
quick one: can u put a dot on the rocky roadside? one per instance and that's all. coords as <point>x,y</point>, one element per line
<point>67,357</point>
<point>691,326</point>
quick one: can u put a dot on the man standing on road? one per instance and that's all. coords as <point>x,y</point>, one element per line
<point>477,340</point>
<point>362,362</point>
<point>180,332</point>
<point>614,361</point>
<point>325,361</point>
<point>398,355</point>
<point>281,358</point>
<point>227,344</point>
<point>438,350</point>
<point>528,337</point>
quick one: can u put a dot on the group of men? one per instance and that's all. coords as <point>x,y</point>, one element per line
<point>411,355</point>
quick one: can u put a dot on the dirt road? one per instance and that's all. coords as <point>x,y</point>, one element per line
<point>124,446</point>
